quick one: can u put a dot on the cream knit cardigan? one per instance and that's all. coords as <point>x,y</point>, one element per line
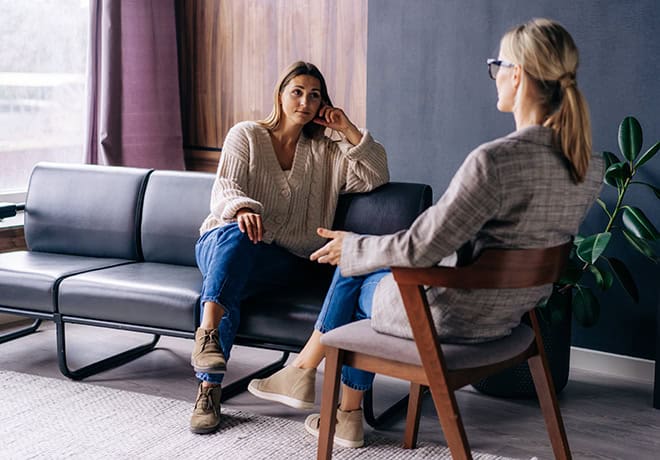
<point>292,203</point>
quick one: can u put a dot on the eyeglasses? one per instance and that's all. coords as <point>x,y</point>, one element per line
<point>494,66</point>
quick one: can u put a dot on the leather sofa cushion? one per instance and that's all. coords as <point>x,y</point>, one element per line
<point>84,210</point>
<point>143,294</point>
<point>28,280</point>
<point>175,204</point>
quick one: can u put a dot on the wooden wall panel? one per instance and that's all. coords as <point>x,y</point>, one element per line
<point>12,239</point>
<point>232,51</point>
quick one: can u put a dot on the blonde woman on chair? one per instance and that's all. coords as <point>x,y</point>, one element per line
<point>529,189</point>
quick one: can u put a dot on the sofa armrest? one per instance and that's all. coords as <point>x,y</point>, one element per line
<point>10,209</point>
<point>387,209</point>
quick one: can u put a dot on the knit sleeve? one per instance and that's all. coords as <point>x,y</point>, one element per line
<point>230,189</point>
<point>364,165</point>
<point>471,199</point>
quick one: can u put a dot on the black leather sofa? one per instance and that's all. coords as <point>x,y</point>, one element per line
<point>114,247</point>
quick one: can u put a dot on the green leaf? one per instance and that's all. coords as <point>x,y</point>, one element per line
<point>603,277</point>
<point>556,307</point>
<point>640,245</point>
<point>648,155</point>
<point>610,159</point>
<point>656,190</point>
<point>638,224</point>
<point>630,138</point>
<point>586,307</point>
<point>593,246</point>
<point>617,174</point>
<point>571,275</point>
<point>602,204</point>
<point>577,240</point>
<point>625,278</point>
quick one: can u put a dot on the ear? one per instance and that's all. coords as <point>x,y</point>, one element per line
<point>517,75</point>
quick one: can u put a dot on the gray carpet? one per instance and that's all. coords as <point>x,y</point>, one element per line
<point>51,418</point>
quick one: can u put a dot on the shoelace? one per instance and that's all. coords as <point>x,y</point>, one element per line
<point>205,397</point>
<point>208,336</point>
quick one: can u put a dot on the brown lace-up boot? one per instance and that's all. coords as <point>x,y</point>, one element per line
<point>207,355</point>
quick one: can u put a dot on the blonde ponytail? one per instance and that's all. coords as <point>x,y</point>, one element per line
<point>572,124</point>
<point>548,55</point>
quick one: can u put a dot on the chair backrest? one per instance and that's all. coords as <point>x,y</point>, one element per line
<point>387,209</point>
<point>494,269</point>
<point>175,204</point>
<point>86,210</point>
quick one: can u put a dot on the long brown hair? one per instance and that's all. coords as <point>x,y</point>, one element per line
<point>311,129</point>
<point>547,53</point>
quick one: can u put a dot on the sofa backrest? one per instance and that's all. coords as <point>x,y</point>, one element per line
<point>84,210</point>
<point>388,209</point>
<point>175,204</point>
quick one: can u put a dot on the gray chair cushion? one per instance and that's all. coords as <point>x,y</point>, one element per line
<point>359,336</point>
<point>84,210</point>
<point>143,294</point>
<point>28,280</point>
<point>175,204</point>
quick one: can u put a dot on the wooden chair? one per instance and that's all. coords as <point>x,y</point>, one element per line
<point>446,368</point>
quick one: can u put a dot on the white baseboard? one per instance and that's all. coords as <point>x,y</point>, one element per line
<point>625,367</point>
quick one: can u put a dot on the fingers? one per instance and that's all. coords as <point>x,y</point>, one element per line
<point>251,224</point>
<point>316,254</point>
<point>325,255</point>
<point>326,233</point>
<point>260,228</point>
<point>332,117</point>
<point>331,252</point>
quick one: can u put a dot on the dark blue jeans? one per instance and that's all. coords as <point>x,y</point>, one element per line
<point>233,268</point>
<point>349,299</point>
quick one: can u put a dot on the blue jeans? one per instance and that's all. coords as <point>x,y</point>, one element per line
<point>349,299</point>
<point>233,268</point>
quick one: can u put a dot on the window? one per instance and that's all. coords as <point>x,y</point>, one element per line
<point>42,86</point>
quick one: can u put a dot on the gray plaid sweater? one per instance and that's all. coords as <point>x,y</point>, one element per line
<point>513,192</point>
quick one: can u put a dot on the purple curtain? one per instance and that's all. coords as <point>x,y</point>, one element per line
<point>133,115</point>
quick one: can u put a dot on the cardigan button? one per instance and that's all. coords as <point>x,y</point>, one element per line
<point>279,219</point>
<point>285,193</point>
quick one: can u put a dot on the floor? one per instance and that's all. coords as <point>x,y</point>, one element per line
<point>605,418</point>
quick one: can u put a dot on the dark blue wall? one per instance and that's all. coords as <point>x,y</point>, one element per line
<point>430,101</point>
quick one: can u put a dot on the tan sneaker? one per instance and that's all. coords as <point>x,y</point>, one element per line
<point>206,414</point>
<point>207,355</point>
<point>349,431</point>
<point>291,386</point>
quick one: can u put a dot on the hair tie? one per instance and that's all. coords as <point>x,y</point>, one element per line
<point>566,80</point>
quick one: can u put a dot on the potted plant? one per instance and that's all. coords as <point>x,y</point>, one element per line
<point>590,264</point>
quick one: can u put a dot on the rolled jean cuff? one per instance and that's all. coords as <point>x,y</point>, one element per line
<point>321,328</point>
<point>214,299</point>
<point>355,386</point>
<point>210,378</point>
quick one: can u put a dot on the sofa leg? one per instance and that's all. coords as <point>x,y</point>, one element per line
<point>20,332</point>
<point>376,421</point>
<point>99,366</point>
<point>241,385</point>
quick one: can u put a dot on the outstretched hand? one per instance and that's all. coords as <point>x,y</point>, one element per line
<point>331,252</point>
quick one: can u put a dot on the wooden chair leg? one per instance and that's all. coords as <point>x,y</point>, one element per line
<point>451,422</point>
<point>414,414</point>
<point>548,401</point>
<point>330,397</point>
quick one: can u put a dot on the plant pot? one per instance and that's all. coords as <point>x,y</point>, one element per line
<point>516,382</point>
